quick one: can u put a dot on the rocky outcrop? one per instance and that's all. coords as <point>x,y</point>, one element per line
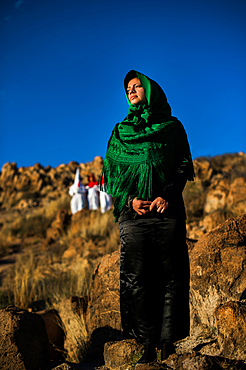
<point>27,187</point>
<point>218,192</point>
<point>120,353</point>
<point>217,283</point>
<point>217,272</point>
<point>103,313</point>
<point>195,360</point>
<point>55,333</point>
<point>217,275</point>
<point>230,321</point>
<point>58,227</point>
<point>23,340</point>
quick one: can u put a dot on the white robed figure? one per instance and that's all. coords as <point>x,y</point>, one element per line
<point>78,194</point>
<point>105,199</point>
<point>92,195</point>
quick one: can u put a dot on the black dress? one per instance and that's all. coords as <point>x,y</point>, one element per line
<point>154,271</point>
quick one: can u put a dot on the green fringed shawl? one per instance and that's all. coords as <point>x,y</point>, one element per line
<point>149,143</point>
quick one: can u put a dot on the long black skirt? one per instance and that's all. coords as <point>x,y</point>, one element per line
<point>154,280</point>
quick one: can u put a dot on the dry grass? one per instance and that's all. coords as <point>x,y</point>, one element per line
<point>33,223</point>
<point>194,199</point>
<point>36,221</point>
<point>41,277</point>
<point>44,274</point>
<point>95,230</point>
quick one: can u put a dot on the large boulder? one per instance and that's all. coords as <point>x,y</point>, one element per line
<point>121,353</point>
<point>58,227</point>
<point>217,275</point>
<point>55,333</point>
<point>103,314</point>
<point>23,340</point>
<point>194,360</point>
<point>231,326</point>
<point>217,271</point>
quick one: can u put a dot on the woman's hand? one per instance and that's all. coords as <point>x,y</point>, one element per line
<point>141,206</point>
<point>159,204</point>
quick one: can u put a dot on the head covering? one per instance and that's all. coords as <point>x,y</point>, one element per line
<point>149,143</point>
<point>75,187</point>
<point>77,178</point>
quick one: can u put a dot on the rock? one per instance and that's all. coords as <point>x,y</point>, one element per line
<point>231,326</point>
<point>58,227</point>
<point>104,307</point>
<point>203,169</point>
<point>236,199</point>
<point>120,353</point>
<point>41,183</point>
<point>23,340</point>
<point>75,248</point>
<point>209,222</point>
<point>103,314</point>
<point>77,220</point>
<point>196,361</point>
<point>217,194</point>
<point>215,200</point>
<point>55,333</point>
<point>217,272</point>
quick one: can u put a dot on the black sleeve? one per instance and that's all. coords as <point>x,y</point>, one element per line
<point>174,189</point>
<point>129,201</point>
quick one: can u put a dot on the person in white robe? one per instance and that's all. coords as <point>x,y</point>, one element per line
<point>105,199</point>
<point>92,195</point>
<point>78,194</point>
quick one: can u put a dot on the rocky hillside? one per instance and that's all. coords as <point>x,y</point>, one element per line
<point>27,187</point>
<point>218,192</point>
<point>52,259</point>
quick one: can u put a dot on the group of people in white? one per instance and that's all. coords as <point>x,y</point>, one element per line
<point>88,195</point>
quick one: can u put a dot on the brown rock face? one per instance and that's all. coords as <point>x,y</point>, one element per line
<point>217,268</point>
<point>118,354</point>
<point>55,333</point>
<point>58,226</point>
<point>103,313</point>
<point>203,169</point>
<point>39,183</point>
<point>23,340</point>
<point>197,361</point>
<point>104,307</point>
<point>231,325</point>
<point>217,272</point>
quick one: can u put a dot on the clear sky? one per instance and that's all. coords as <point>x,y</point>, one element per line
<point>63,62</point>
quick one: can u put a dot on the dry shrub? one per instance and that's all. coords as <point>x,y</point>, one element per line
<point>42,277</point>
<point>45,275</point>
<point>36,221</point>
<point>95,229</point>
<point>73,324</point>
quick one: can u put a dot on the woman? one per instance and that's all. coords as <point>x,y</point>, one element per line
<point>147,164</point>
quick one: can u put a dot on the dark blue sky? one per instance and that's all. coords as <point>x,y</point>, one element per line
<point>63,62</point>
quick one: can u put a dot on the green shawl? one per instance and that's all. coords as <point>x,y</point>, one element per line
<point>149,143</point>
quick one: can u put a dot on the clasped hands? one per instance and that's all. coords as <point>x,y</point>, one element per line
<point>145,206</point>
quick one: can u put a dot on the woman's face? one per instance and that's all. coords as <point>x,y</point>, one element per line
<point>135,92</point>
